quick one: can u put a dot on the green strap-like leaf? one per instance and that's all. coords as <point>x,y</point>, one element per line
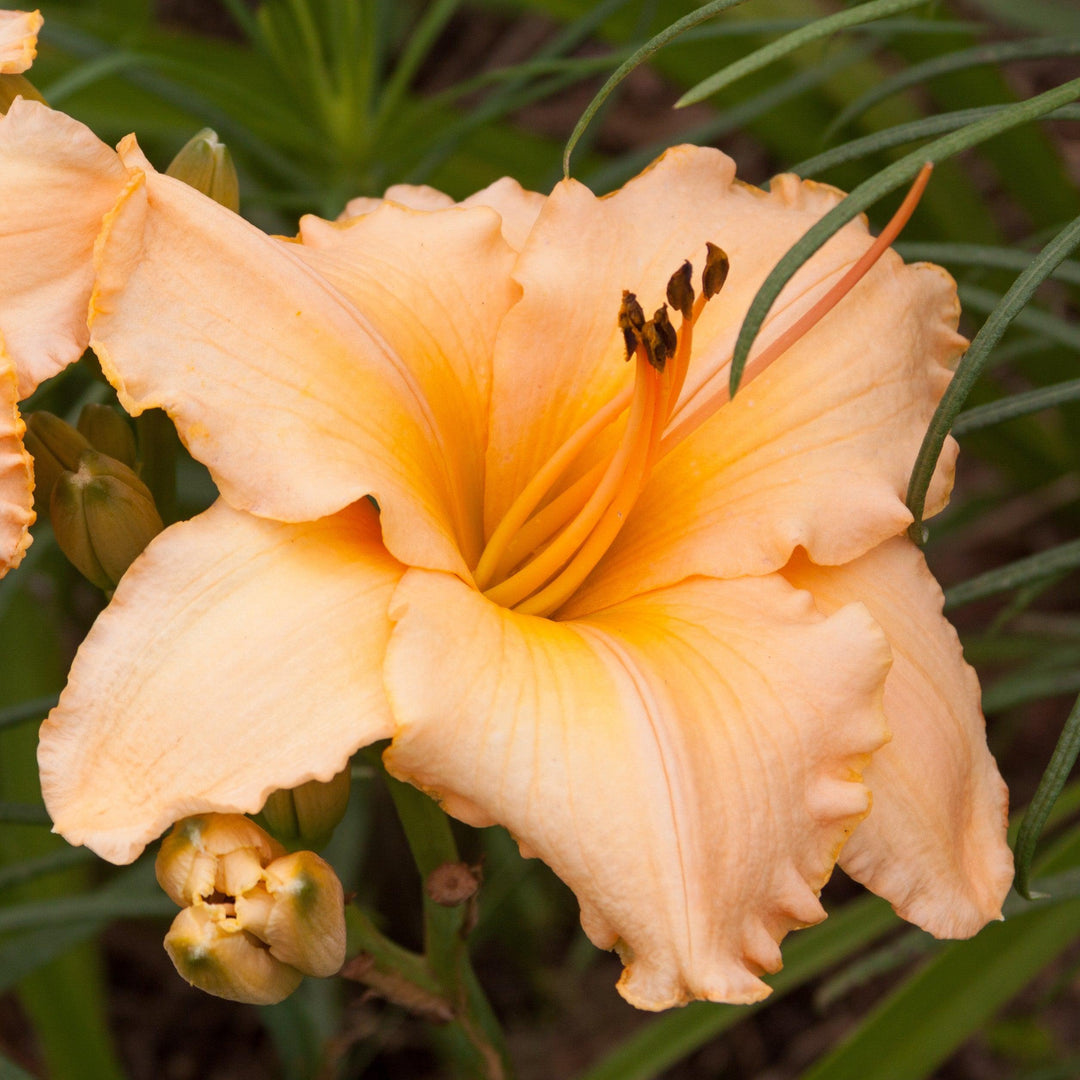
<point>1053,561</point>
<point>1031,401</point>
<point>1023,687</point>
<point>996,53</point>
<point>1052,327</point>
<point>899,134</point>
<point>659,1044</point>
<point>971,366</point>
<point>739,116</point>
<point>54,862</point>
<point>99,905</point>
<point>949,998</point>
<point>654,44</point>
<point>755,27</point>
<point>1053,780</point>
<point>867,193</point>
<point>35,709</point>
<point>985,256</point>
<point>815,31</point>
<point>416,49</point>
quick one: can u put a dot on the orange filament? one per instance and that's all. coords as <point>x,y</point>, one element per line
<point>544,523</point>
<point>681,361</point>
<point>532,576</point>
<point>548,520</point>
<point>581,522</point>
<point>534,492</point>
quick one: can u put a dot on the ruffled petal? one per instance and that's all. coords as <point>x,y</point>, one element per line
<point>59,180</point>
<point>934,843</point>
<point>687,762</point>
<point>18,40</point>
<point>414,196</point>
<point>435,287</point>
<point>238,656</point>
<point>517,207</point>
<point>561,355</point>
<point>276,381</point>
<point>16,473</point>
<point>815,452</point>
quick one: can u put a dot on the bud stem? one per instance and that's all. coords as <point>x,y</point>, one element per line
<point>427,830</point>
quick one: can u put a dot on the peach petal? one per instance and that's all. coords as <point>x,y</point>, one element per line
<point>815,452</point>
<point>16,473</point>
<point>560,354</point>
<point>934,844</point>
<point>59,180</point>
<point>238,656</point>
<point>18,40</point>
<point>516,206</point>
<point>276,381</point>
<point>688,762</point>
<point>435,286</point>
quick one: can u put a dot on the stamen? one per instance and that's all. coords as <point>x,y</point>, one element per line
<point>680,290</point>
<point>534,492</point>
<point>593,506</point>
<point>547,521</point>
<point>554,595</point>
<point>716,270</point>
<point>631,321</point>
<point>690,422</point>
<point>532,576</point>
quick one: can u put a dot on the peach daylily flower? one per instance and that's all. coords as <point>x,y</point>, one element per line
<point>684,701</point>
<point>18,47</point>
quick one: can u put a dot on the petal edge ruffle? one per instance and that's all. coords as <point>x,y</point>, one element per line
<point>238,656</point>
<point>16,473</point>
<point>934,844</point>
<point>679,761</point>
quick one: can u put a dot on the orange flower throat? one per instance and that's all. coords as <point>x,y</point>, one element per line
<point>539,555</point>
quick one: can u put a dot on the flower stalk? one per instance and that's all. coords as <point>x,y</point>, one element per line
<point>432,844</point>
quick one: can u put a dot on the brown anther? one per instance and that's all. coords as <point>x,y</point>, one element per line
<point>666,331</point>
<point>655,346</point>
<point>715,272</point>
<point>631,321</point>
<point>680,290</point>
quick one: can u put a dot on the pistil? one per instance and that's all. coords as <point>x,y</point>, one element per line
<point>580,523</point>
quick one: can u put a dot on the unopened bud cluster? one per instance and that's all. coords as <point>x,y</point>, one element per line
<point>255,919</point>
<point>103,515</point>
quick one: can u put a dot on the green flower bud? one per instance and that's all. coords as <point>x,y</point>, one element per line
<point>307,815</point>
<point>203,855</point>
<point>108,432</point>
<point>255,920</point>
<point>103,516</point>
<point>211,952</point>
<point>56,447</point>
<point>204,163</point>
<point>300,913</point>
<point>13,86</point>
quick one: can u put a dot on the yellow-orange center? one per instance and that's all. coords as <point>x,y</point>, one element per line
<point>540,553</point>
